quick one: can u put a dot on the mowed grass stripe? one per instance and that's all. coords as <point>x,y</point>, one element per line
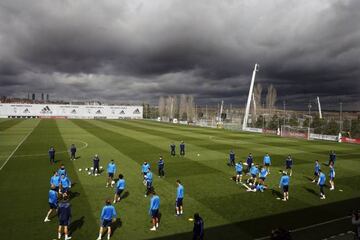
<point>9,123</point>
<point>135,152</point>
<point>25,185</point>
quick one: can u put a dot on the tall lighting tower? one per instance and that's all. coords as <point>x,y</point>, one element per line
<point>247,109</point>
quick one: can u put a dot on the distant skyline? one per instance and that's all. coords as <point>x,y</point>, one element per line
<point>134,51</point>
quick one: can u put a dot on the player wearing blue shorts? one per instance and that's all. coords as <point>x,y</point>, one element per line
<point>249,162</point>
<point>64,214</point>
<point>111,169</point>
<point>316,171</point>
<point>65,185</point>
<point>263,174</point>
<point>238,171</point>
<point>179,198</point>
<point>108,215</point>
<point>254,171</point>
<point>154,210</point>
<point>72,152</point>
<point>52,155</point>
<point>172,150</point>
<point>149,180</point>
<point>55,180</point>
<point>231,158</point>
<point>145,167</point>
<point>182,148</point>
<point>288,165</point>
<point>321,182</point>
<point>267,162</point>
<point>53,202</point>
<point>332,158</point>
<point>161,166</point>
<point>284,184</point>
<point>332,177</point>
<point>120,186</point>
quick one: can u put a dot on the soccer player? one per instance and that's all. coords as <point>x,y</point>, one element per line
<point>267,162</point>
<point>198,230</point>
<point>172,149</point>
<point>259,187</point>
<point>238,170</point>
<point>231,158</point>
<point>332,158</point>
<point>62,170</point>
<point>332,177</point>
<point>108,215</point>
<point>249,162</point>
<point>288,165</point>
<point>284,184</point>
<point>145,168</point>
<point>72,152</point>
<point>65,185</point>
<point>154,210</point>
<point>254,171</point>
<point>321,183</point>
<point>182,148</point>
<point>161,165</point>
<point>52,155</point>
<point>148,179</point>
<point>179,198</point>
<point>64,214</point>
<point>111,169</point>
<point>120,186</point>
<point>96,162</point>
<point>316,170</point>
<point>53,202</point>
<point>55,180</point>
<point>263,174</point>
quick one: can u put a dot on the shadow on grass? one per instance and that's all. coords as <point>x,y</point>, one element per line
<point>260,227</point>
<point>76,225</point>
<point>308,178</point>
<point>125,195</point>
<point>312,191</point>
<point>276,193</point>
<point>117,224</point>
<point>73,195</point>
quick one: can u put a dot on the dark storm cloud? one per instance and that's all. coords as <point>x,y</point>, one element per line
<point>138,50</point>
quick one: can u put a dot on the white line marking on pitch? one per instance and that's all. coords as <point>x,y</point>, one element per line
<point>310,226</point>
<point>17,147</point>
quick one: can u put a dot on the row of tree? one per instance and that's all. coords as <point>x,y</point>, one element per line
<point>170,108</point>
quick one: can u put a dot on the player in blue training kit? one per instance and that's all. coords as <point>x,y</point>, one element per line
<point>284,184</point>
<point>249,162</point>
<point>149,180</point>
<point>259,187</point>
<point>179,198</point>
<point>332,158</point>
<point>238,171</point>
<point>108,215</point>
<point>52,155</point>
<point>182,148</point>
<point>263,174</point>
<point>111,169</point>
<point>62,170</point>
<point>316,171</point>
<point>65,185</point>
<point>254,171</point>
<point>332,177</point>
<point>96,164</point>
<point>53,202</point>
<point>154,210</point>
<point>172,149</point>
<point>321,182</point>
<point>267,162</point>
<point>120,186</point>
<point>64,214</point>
<point>55,180</point>
<point>161,165</point>
<point>72,152</point>
<point>231,158</point>
<point>145,167</point>
<point>288,165</point>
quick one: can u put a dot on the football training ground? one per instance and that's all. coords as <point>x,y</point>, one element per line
<point>228,210</point>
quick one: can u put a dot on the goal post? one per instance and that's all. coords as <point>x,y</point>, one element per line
<point>296,132</point>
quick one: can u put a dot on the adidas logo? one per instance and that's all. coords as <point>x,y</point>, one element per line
<point>137,111</point>
<point>73,111</point>
<point>98,112</point>
<point>26,111</point>
<point>122,112</point>
<point>46,110</point>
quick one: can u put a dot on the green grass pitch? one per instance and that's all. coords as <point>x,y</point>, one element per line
<point>228,210</point>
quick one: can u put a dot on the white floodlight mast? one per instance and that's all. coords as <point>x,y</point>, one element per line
<point>319,107</point>
<point>221,110</point>
<point>247,109</point>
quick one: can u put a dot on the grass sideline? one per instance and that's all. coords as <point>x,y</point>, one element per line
<point>228,210</point>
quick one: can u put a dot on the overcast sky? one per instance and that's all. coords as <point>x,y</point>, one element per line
<point>132,50</point>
